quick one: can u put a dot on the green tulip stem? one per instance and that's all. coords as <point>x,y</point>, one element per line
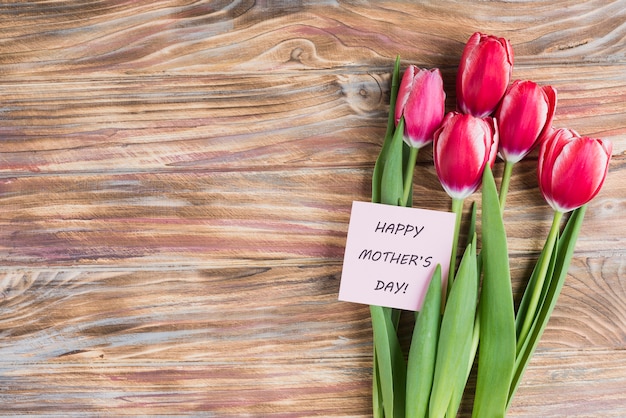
<point>457,208</point>
<point>541,277</point>
<point>506,180</point>
<point>408,178</point>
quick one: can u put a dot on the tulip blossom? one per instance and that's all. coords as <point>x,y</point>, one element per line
<point>571,172</point>
<point>421,100</point>
<point>524,117</point>
<point>484,74</point>
<point>463,146</point>
<point>572,169</point>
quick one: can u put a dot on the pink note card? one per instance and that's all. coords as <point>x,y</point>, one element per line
<point>391,254</point>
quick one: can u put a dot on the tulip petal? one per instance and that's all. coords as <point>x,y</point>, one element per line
<point>421,101</point>
<point>525,112</point>
<point>572,169</point>
<point>550,150</point>
<point>463,147</point>
<point>424,108</point>
<point>579,172</point>
<point>484,73</point>
<point>406,85</point>
<point>551,97</point>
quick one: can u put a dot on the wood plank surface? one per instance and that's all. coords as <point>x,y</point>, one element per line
<point>175,187</point>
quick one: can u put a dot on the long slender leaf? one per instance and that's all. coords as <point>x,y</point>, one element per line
<point>471,234</point>
<point>496,351</point>
<point>382,156</point>
<point>550,257</point>
<point>527,344</point>
<point>377,383</point>
<point>471,229</point>
<point>408,164</point>
<point>383,362</point>
<point>390,361</point>
<point>392,185</point>
<point>540,282</point>
<point>562,259</point>
<point>377,396</point>
<point>532,282</point>
<point>469,352</point>
<point>455,336</point>
<point>423,349</point>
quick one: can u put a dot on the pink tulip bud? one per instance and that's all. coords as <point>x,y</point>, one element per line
<point>572,168</point>
<point>463,146</point>
<point>524,118</point>
<point>421,100</point>
<point>484,74</point>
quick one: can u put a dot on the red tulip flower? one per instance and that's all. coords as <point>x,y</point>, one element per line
<point>484,74</point>
<point>572,169</point>
<point>463,146</point>
<point>524,117</point>
<point>421,100</point>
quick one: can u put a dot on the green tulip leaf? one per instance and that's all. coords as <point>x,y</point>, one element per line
<point>455,338</point>
<point>496,351</point>
<point>390,362</point>
<point>383,380</point>
<point>423,349</point>
<point>392,186</point>
<point>546,256</point>
<point>470,353</point>
<point>560,260</point>
<point>471,230</point>
<point>377,396</point>
<point>382,156</point>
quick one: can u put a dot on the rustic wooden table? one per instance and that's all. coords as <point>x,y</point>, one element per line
<point>176,178</point>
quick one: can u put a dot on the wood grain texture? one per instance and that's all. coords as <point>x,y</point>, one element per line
<point>120,351</point>
<point>247,122</point>
<point>211,218</point>
<point>175,186</point>
<point>276,35</point>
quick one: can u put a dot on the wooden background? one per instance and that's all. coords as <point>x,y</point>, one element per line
<point>175,185</point>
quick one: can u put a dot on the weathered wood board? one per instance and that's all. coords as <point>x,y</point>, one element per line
<point>175,188</point>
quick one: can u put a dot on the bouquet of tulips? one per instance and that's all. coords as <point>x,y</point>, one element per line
<point>472,310</point>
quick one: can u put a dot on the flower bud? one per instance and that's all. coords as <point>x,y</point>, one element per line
<point>524,118</point>
<point>572,168</point>
<point>484,74</point>
<point>463,146</point>
<point>421,100</point>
